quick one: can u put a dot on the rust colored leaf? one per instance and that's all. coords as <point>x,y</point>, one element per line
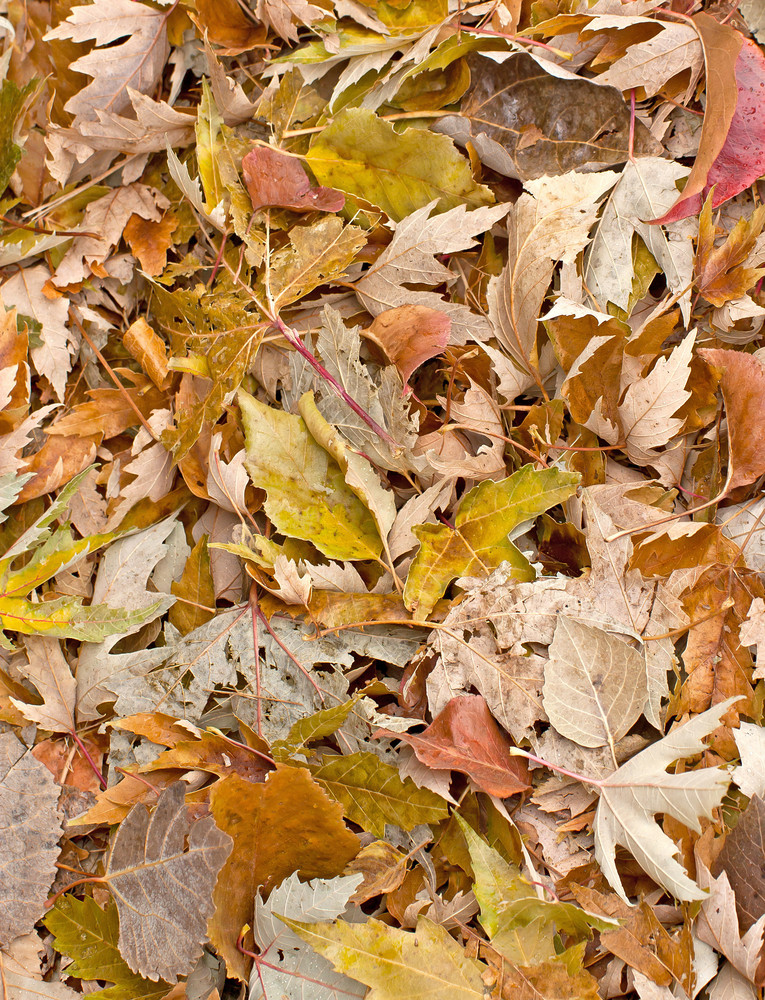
<point>283,825</point>
<point>409,335</point>
<point>465,737</point>
<point>195,591</point>
<point>227,24</point>
<point>743,389</point>
<point>150,240</point>
<point>729,100</point>
<point>274,178</point>
<point>149,351</point>
<point>720,274</point>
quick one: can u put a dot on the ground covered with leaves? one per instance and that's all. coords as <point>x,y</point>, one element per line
<point>382,411</point>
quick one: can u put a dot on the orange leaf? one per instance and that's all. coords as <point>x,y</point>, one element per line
<point>410,335</point>
<point>149,241</point>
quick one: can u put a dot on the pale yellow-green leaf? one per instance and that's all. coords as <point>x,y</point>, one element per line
<point>318,252</point>
<point>426,964</point>
<point>399,172</point>
<point>479,540</point>
<point>373,793</point>
<point>306,493</point>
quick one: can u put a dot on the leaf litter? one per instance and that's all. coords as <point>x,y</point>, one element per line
<point>381,518</point>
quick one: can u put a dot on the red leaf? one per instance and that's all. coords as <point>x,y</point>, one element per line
<point>276,179</point>
<point>741,160</point>
<point>465,737</point>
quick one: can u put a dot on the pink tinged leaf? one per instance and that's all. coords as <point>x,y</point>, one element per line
<point>466,737</point>
<point>742,158</point>
<point>276,179</point>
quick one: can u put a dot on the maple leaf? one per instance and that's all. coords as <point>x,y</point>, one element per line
<point>428,963</point>
<point>137,62</point>
<point>631,796</point>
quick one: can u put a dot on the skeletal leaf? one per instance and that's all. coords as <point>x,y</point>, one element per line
<point>595,685</point>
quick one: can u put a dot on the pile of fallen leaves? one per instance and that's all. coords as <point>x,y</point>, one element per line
<point>382,422</point>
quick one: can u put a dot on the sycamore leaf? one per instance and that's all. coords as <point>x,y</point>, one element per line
<point>395,963</point>
<point>479,540</point>
<point>372,793</point>
<point>137,62</point>
<point>30,828</point>
<point>89,934</point>
<point>162,891</point>
<point>398,172</point>
<point>307,496</point>
<point>294,970</point>
<point>633,794</point>
<point>651,63</point>
<point>283,825</point>
<point>50,673</point>
<point>595,685</point>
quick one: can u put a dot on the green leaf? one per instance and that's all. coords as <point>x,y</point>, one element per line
<point>307,496</point>
<point>12,100</point>
<point>373,793</point>
<point>313,727</point>
<point>497,882</point>
<point>89,935</point>
<point>69,618</point>
<point>479,541</point>
<point>397,171</point>
<point>398,965</point>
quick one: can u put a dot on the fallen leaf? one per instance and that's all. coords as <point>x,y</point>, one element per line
<point>579,124</point>
<point>274,178</point>
<point>464,737</point>
<point>718,926</point>
<point>595,685</point>
<point>30,835</point>
<point>741,860</point>
<point>479,541</point>
<point>428,963</point>
<point>409,336</point>
<point>150,240</point>
<point>398,172</point>
<point>162,891</point>
<point>286,824</point>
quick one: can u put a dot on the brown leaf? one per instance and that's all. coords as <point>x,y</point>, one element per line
<point>149,350</point>
<point>14,372</point>
<point>163,892</point>
<point>720,274</point>
<point>526,123</point>
<point>227,25</point>
<point>743,389</point>
<point>108,412</point>
<point>283,825</point>
<point>149,240</point>
<point>465,737</point>
<point>383,868</point>
<point>58,461</point>
<point>274,178</point>
<point>743,860</point>
<point>409,336</point>
<point>196,591</point>
<point>30,828</point>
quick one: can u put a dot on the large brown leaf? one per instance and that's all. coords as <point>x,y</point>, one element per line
<point>283,825</point>
<point>30,827</point>
<point>163,892</point>
<point>743,860</point>
<point>524,122</point>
